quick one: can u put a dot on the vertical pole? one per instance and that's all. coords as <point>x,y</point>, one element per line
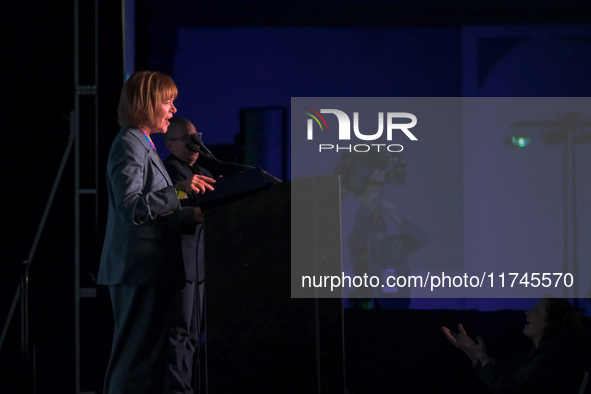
<point>76,125</point>
<point>96,81</point>
<point>575,253</point>
<point>128,32</point>
<point>565,212</point>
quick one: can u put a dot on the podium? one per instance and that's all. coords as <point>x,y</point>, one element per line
<point>259,339</point>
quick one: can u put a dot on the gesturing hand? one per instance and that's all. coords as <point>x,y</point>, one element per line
<point>461,340</point>
<point>198,183</point>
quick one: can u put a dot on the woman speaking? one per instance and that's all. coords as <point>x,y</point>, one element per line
<point>141,260</point>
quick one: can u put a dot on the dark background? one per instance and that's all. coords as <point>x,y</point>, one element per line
<point>38,95</point>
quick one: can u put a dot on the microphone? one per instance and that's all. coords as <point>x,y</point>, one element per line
<point>197,141</point>
<point>195,145</point>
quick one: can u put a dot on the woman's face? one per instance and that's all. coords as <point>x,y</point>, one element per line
<point>535,321</point>
<point>165,112</point>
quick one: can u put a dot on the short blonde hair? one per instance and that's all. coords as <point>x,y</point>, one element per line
<point>140,97</point>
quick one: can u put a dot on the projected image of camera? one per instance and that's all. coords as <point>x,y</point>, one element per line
<point>359,169</point>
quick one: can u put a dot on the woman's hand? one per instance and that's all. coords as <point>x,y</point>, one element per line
<point>198,184</point>
<point>474,350</point>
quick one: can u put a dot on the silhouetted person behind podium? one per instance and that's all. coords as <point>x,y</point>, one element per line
<point>184,336</point>
<point>142,259</point>
<point>381,239</point>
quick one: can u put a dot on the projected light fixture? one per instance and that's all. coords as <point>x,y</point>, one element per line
<point>569,130</point>
<point>570,125</point>
<point>518,141</point>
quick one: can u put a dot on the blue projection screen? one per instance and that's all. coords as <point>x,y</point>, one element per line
<point>446,197</point>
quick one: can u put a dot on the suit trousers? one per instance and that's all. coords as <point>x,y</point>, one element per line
<point>184,340</point>
<point>138,362</point>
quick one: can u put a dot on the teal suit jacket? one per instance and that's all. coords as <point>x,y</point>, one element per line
<point>142,243</point>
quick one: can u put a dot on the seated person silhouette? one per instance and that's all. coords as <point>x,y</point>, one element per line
<point>555,363</point>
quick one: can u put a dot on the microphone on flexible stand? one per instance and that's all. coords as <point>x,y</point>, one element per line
<point>195,142</point>
<point>195,145</point>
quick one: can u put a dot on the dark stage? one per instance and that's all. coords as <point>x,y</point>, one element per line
<point>237,66</point>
